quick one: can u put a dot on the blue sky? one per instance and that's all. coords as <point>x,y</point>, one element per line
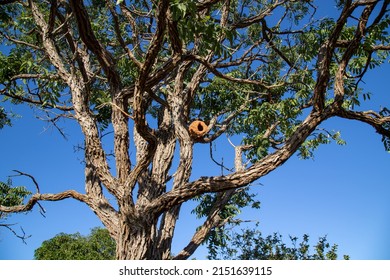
<point>344,192</point>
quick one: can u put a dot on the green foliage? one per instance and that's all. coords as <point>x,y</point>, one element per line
<point>98,245</point>
<point>4,119</point>
<point>241,199</point>
<point>297,35</point>
<point>386,140</point>
<point>309,146</point>
<point>11,196</point>
<point>251,245</point>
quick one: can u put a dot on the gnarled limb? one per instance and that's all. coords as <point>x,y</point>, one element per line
<point>34,199</point>
<point>241,178</point>
<point>368,117</point>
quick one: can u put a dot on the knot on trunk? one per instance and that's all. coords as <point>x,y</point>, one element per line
<point>198,129</point>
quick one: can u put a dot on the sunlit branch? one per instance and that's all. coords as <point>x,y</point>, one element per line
<point>88,36</point>
<point>242,178</point>
<point>213,220</point>
<point>34,199</point>
<point>369,117</point>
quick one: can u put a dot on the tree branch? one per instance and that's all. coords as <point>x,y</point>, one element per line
<point>19,42</point>
<point>35,102</point>
<point>20,173</point>
<point>241,178</point>
<point>219,74</point>
<point>368,117</point>
<point>258,18</point>
<point>87,35</point>
<point>43,197</point>
<point>349,52</point>
<point>80,97</point>
<point>173,33</point>
<point>22,237</point>
<point>140,103</point>
<point>119,36</point>
<point>213,220</point>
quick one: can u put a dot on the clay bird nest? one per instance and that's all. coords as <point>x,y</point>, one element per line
<point>198,129</point>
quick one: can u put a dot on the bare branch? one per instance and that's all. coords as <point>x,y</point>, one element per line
<point>241,178</point>
<point>87,35</point>
<point>349,52</point>
<point>22,237</point>
<point>155,44</point>
<point>48,43</point>
<point>173,33</point>
<point>223,167</point>
<point>368,117</point>
<point>53,10</point>
<point>20,173</point>
<point>119,36</point>
<point>135,29</point>
<point>43,197</point>
<point>213,220</point>
<point>265,31</point>
<point>381,48</point>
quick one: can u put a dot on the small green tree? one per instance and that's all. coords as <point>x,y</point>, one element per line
<point>248,245</point>
<point>98,245</point>
<point>269,73</point>
<point>251,245</point>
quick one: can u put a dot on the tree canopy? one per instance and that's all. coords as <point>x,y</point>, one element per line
<point>248,245</point>
<point>98,245</point>
<point>266,72</point>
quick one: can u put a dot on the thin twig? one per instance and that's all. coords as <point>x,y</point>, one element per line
<point>22,237</point>
<point>20,173</point>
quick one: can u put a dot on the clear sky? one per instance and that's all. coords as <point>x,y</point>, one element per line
<point>344,192</point>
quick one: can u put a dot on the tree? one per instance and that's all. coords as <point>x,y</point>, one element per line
<point>268,72</point>
<point>251,245</point>
<point>248,245</point>
<point>98,245</point>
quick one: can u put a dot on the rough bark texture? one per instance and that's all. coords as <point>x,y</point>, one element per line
<point>148,192</point>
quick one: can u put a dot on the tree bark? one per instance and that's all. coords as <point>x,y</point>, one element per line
<point>168,74</point>
<point>136,237</point>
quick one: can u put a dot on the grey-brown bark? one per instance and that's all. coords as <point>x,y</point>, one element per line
<point>148,194</point>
